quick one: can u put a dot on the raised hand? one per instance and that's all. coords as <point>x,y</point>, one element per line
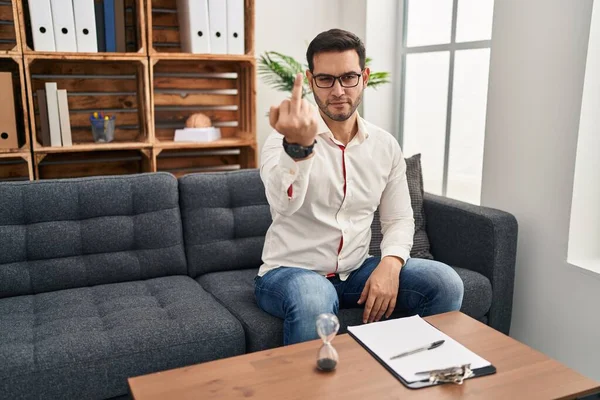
<point>295,118</point>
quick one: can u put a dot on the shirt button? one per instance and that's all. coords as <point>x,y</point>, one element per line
<point>292,172</point>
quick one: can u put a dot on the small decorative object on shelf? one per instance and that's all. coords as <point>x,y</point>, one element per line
<point>103,127</point>
<point>198,120</point>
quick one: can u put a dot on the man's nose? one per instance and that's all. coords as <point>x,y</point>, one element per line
<point>337,89</point>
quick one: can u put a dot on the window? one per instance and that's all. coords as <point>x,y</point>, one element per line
<point>445,63</point>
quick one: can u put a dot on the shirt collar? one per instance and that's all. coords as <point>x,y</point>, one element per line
<point>324,130</point>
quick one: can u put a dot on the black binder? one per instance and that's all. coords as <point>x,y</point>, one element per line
<point>425,382</point>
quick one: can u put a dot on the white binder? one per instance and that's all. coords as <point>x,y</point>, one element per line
<point>65,120</point>
<point>217,11</point>
<point>53,115</point>
<point>64,25</point>
<point>194,31</point>
<point>42,28</point>
<point>235,27</point>
<point>85,26</point>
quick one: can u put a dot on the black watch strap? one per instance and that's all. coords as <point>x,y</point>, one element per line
<point>298,151</point>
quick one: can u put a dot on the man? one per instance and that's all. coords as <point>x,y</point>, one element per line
<point>325,174</point>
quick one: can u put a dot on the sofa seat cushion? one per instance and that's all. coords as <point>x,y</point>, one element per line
<point>85,342</point>
<point>235,290</point>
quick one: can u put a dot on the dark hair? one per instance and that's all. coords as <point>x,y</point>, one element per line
<point>335,40</point>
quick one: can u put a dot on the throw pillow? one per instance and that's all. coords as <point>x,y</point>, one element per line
<point>421,246</point>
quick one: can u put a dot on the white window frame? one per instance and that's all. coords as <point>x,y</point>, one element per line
<point>452,47</point>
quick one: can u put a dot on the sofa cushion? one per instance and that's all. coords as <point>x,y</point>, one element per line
<point>477,299</point>
<point>421,246</point>
<point>225,219</point>
<point>235,290</point>
<point>85,342</point>
<point>68,233</point>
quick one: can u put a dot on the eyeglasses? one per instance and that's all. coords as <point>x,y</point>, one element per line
<point>349,80</point>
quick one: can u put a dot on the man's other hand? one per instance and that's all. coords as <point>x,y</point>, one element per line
<point>381,290</point>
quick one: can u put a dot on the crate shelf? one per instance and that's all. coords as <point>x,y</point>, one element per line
<point>116,86</point>
<point>135,31</point>
<point>184,161</point>
<point>10,38</point>
<point>220,89</point>
<point>163,30</point>
<point>16,166</point>
<point>80,164</point>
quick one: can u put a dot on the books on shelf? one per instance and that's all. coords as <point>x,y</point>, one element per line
<point>54,116</point>
<point>78,25</point>
<point>211,26</point>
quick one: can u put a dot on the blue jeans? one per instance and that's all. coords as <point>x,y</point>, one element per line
<point>298,295</point>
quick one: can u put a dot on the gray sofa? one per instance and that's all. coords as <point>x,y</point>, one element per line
<point>106,278</point>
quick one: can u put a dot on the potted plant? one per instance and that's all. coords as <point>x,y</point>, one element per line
<point>279,71</point>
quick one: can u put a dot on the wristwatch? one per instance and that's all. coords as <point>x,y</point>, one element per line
<point>297,150</point>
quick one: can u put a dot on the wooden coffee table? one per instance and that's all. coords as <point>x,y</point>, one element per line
<point>289,373</point>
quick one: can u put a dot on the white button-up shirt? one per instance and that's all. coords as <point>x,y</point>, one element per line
<point>322,207</point>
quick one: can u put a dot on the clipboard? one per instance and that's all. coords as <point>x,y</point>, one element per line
<point>430,380</point>
<point>448,363</point>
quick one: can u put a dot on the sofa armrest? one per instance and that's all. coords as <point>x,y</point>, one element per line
<point>480,239</point>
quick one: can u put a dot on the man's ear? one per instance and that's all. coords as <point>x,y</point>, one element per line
<point>366,74</point>
<point>309,77</point>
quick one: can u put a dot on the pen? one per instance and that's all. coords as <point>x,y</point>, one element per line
<point>423,348</point>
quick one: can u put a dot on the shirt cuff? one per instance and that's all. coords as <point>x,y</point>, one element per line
<point>396,251</point>
<point>293,168</point>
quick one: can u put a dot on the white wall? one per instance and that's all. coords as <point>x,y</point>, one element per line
<point>534,101</point>
<point>287,26</point>
<point>584,238</point>
<point>380,106</point>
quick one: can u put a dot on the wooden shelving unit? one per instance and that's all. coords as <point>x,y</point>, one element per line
<point>151,89</point>
<point>10,38</point>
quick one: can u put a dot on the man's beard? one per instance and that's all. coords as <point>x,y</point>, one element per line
<point>342,116</point>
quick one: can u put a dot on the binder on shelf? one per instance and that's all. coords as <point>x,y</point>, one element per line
<point>100,31</point>
<point>53,116</point>
<point>65,122</point>
<point>42,28</point>
<point>63,21</point>
<point>85,26</point>
<point>194,29</point>
<point>120,41</point>
<point>109,26</point>
<point>235,27</point>
<point>43,108</point>
<point>409,348</point>
<point>217,19</point>
<point>9,138</point>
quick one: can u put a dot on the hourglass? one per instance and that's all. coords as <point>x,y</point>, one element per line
<point>327,327</point>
